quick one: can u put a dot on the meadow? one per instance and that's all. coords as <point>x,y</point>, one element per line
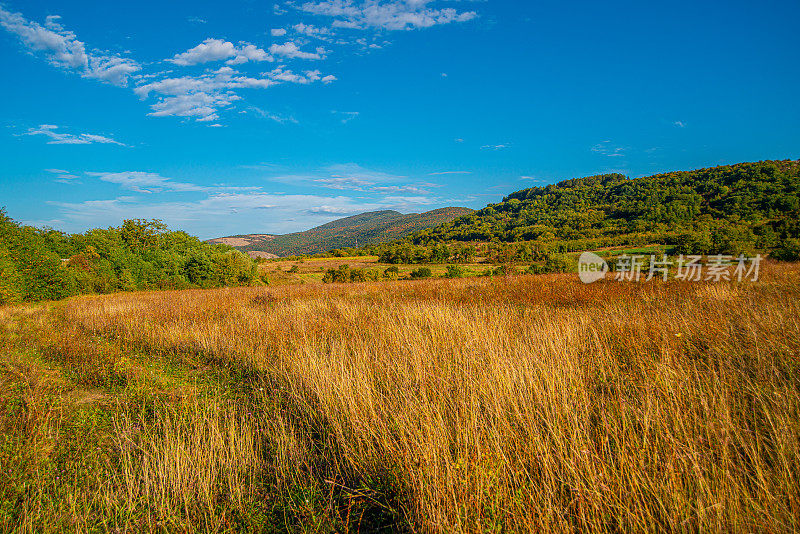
<point>312,270</point>
<point>502,404</point>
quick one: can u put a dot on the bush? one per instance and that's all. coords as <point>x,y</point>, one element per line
<point>358,275</point>
<point>337,276</point>
<point>557,263</point>
<point>421,272</point>
<point>789,250</point>
<point>454,271</point>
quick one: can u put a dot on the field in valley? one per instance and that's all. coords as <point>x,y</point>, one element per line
<point>312,270</point>
<point>504,404</point>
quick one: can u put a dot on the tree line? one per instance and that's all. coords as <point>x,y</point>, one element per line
<point>44,264</point>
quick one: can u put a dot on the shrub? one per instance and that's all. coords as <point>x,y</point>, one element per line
<point>454,271</point>
<point>338,276</point>
<point>421,272</point>
<point>789,250</point>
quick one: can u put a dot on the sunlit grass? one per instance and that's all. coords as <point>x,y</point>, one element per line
<point>511,404</point>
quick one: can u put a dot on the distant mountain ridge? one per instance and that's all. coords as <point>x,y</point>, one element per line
<point>356,230</point>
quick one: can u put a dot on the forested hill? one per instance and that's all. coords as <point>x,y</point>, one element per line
<point>727,209</point>
<point>38,264</point>
<point>362,229</point>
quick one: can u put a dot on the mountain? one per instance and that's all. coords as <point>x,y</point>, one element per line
<point>362,229</point>
<point>728,209</point>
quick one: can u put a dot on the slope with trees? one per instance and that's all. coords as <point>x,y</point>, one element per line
<point>729,209</point>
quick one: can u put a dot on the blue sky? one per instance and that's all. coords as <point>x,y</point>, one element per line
<point>252,116</point>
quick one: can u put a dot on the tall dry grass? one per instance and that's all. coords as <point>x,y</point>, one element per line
<point>507,405</point>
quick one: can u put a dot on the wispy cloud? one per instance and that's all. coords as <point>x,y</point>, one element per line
<point>532,179</point>
<point>385,15</point>
<point>606,148</point>
<point>346,116</point>
<point>494,147</point>
<point>63,177</point>
<point>449,172</point>
<point>57,138</point>
<point>148,182</point>
<point>679,124</point>
<point>264,114</point>
<point>353,177</point>
<point>63,49</point>
<point>350,183</point>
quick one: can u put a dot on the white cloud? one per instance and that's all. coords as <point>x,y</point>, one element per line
<point>112,69</point>
<point>353,177</point>
<point>63,177</point>
<point>311,31</point>
<point>202,97</point>
<point>387,15</point>
<point>208,50</point>
<point>57,138</point>
<point>247,53</point>
<point>291,50</point>
<point>331,210</point>
<point>63,49</point>
<point>280,74</point>
<point>449,172</point>
<point>679,124</point>
<point>148,182</point>
<point>344,182</point>
<point>401,189</point>
<point>219,50</point>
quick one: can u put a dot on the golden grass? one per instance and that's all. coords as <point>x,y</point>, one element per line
<point>473,405</point>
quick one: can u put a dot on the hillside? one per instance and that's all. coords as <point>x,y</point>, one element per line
<point>362,229</point>
<point>729,209</point>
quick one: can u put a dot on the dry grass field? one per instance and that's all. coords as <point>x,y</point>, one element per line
<point>519,404</point>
